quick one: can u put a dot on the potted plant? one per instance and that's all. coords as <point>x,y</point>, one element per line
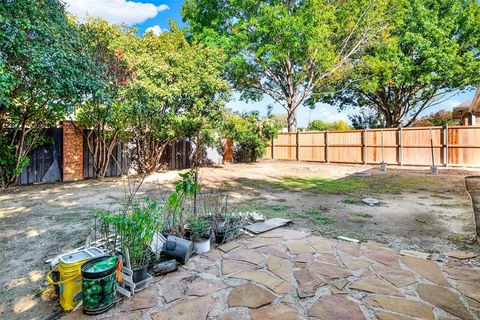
<point>227,226</point>
<point>200,233</point>
<point>136,228</point>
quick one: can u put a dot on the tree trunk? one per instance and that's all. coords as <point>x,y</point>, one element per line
<point>292,119</point>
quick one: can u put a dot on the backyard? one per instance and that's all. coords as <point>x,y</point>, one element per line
<point>417,211</point>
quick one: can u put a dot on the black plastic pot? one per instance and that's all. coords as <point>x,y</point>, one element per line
<point>139,275</point>
<point>220,237</point>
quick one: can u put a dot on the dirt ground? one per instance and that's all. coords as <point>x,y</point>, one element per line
<point>417,211</point>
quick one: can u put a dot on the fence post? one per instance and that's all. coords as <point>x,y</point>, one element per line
<point>445,140</point>
<point>273,157</point>
<point>400,139</point>
<point>364,142</point>
<point>297,146</point>
<point>326,146</point>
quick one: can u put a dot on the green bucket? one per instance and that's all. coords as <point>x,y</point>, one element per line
<point>99,284</point>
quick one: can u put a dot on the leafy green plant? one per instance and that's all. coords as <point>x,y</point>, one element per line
<point>135,229</point>
<point>185,189</point>
<point>199,227</point>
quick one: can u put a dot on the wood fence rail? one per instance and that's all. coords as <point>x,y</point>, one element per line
<point>452,146</point>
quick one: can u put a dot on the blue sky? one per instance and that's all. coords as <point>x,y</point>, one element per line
<point>155,14</point>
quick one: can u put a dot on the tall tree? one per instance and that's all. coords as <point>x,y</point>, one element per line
<point>176,90</point>
<point>103,113</point>
<point>433,51</point>
<point>286,49</point>
<point>44,73</point>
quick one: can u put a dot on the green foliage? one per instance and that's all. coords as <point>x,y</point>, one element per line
<point>440,118</point>
<point>185,189</point>
<point>250,134</point>
<point>177,90</point>
<point>199,227</point>
<point>44,72</point>
<point>351,200</point>
<point>432,51</point>
<point>136,228</point>
<point>317,215</point>
<point>319,125</point>
<point>285,49</point>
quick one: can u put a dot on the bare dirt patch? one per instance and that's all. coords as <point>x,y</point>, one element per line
<point>417,211</point>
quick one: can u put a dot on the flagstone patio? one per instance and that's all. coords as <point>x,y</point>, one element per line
<point>287,274</point>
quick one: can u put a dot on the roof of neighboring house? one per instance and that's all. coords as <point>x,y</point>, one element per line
<point>470,106</point>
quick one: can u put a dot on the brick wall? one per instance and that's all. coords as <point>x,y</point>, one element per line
<point>72,152</point>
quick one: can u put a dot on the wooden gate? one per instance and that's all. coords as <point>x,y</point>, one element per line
<point>45,161</point>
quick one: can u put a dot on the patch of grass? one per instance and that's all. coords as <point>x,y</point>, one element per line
<point>266,209</point>
<point>317,215</point>
<point>351,200</point>
<point>279,207</point>
<point>353,186</point>
<point>363,214</point>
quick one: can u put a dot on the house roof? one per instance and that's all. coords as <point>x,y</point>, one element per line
<point>470,106</point>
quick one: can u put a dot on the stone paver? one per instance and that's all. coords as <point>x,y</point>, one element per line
<point>307,283</point>
<point>336,307</point>
<point>274,312</point>
<point>288,274</point>
<point>426,268</point>
<point>444,299</point>
<point>408,307</point>
<point>461,255</point>
<point>250,296</point>
<point>195,309</point>
<point>204,287</point>
<point>377,285</point>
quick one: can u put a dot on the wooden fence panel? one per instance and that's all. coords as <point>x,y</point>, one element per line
<point>464,146</point>
<point>311,146</point>
<point>285,146</point>
<point>345,146</point>
<point>373,146</point>
<point>456,146</point>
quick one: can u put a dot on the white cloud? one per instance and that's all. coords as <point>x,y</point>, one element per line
<point>155,29</point>
<point>115,11</point>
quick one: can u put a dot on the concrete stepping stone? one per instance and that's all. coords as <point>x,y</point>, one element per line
<point>444,299</point>
<point>387,258</point>
<point>307,283</point>
<point>337,307</point>
<point>395,275</point>
<point>228,246</point>
<point>274,312</point>
<point>470,290</point>
<point>297,247</point>
<point>194,309</point>
<point>280,267</point>
<point>277,250</point>
<point>267,225</point>
<point>295,235</point>
<point>250,296</point>
<point>204,287</point>
<point>241,254</point>
<point>354,263</point>
<point>461,255</point>
<point>331,271</point>
<point>350,248</point>
<point>407,307</point>
<point>232,266</point>
<point>261,277</point>
<point>427,269</point>
<point>145,299</point>
<point>388,316</point>
<point>377,285</point>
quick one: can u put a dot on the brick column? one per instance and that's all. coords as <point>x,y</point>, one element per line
<point>72,152</point>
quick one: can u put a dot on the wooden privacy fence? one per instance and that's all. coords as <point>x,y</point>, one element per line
<point>452,146</point>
